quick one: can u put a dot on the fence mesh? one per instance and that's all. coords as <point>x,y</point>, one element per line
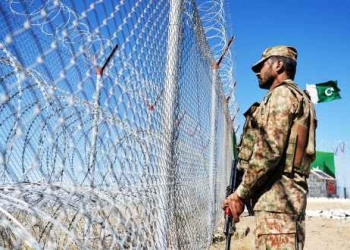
<point>115,128</point>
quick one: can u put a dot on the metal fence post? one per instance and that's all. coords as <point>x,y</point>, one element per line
<point>345,193</point>
<point>94,131</point>
<point>212,161</point>
<point>170,96</point>
<point>96,114</point>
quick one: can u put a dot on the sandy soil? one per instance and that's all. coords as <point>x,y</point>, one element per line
<point>324,231</point>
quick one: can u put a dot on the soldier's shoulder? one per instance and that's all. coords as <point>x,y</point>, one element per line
<point>290,91</point>
<point>282,93</point>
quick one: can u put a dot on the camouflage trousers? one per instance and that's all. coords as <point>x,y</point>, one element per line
<point>278,231</point>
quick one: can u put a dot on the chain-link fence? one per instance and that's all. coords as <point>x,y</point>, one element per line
<point>115,130</point>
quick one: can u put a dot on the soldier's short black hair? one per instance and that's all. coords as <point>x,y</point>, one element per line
<point>289,65</point>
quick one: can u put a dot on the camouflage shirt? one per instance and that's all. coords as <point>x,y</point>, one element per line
<point>262,154</point>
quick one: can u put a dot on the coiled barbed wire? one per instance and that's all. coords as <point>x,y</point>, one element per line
<point>215,19</point>
<point>47,16</point>
<point>50,111</point>
<point>338,147</point>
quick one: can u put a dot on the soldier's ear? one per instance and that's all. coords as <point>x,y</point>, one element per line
<point>279,66</point>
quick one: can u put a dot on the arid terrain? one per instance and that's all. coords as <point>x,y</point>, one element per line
<point>327,227</point>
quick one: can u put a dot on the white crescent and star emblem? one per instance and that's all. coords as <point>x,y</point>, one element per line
<point>329,91</point>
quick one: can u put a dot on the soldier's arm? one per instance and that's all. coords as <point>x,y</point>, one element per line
<point>273,129</point>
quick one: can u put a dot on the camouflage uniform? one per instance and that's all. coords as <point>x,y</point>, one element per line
<point>275,151</point>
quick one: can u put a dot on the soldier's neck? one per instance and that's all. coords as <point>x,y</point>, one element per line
<point>278,80</point>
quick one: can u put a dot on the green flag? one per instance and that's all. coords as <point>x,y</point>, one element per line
<point>323,92</point>
<point>325,162</point>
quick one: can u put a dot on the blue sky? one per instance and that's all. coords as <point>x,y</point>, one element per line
<point>320,30</point>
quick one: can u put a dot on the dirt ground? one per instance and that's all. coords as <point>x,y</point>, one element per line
<point>322,233</point>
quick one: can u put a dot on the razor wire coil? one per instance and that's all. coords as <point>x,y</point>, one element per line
<point>112,131</point>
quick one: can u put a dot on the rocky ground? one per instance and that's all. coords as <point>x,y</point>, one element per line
<point>327,227</point>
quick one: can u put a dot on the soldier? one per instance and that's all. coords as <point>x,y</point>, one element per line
<point>276,149</point>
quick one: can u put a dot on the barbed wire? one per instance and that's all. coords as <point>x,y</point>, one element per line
<point>338,147</point>
<point>215,19</point>
<point>87,156</point>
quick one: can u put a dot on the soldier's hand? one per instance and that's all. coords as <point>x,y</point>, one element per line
<point>236,205</point>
